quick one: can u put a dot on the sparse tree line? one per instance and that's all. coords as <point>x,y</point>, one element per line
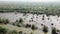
<point>34,11</point>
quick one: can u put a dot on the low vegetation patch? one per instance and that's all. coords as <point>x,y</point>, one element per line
<point>45,29</point>
<point>3,30</point>
<point>4,21</point>
<point>54,31</point>
<point>33,27</point>
<point>28,26</point>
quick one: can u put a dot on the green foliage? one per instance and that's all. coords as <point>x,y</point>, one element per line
<point>14,32</point>
<point>14,23</point>
<point>31,33</point>
<point>27,25</point>
<point>53,30</point>
<point>4,21</point>
<point>20,32</point>
<point>45,29</point>
<point>33,27</point>
<point>43,17</point>
<point>3,30</point>
<point>1,20</point>
<point>19,25</point>
<point>16,20</point>
<point>21,20</point>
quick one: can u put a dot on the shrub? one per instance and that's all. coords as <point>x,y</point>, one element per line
<point>41,24</point>
<point>4,21</point>
<point>45,29</point>
<point>24,33</point>
<point>43,17</point>
<point>3,30</point>
<point>15,13</point>
<point>58,31</point>
<point>16,20</point>
<point>48,18</point>
<point>20,32</point>
<point>31,33</point>
<point>14,32</point>
<point>27,25</point>
<point>19,25</point>
<point>53,30</point>
<point>14,23</point>
<point>52,24</point>
<point>33,27</point>
<point>20,20</point>
<point>0,20</point>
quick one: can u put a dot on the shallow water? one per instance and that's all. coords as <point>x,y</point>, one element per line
<point>37,19</point>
